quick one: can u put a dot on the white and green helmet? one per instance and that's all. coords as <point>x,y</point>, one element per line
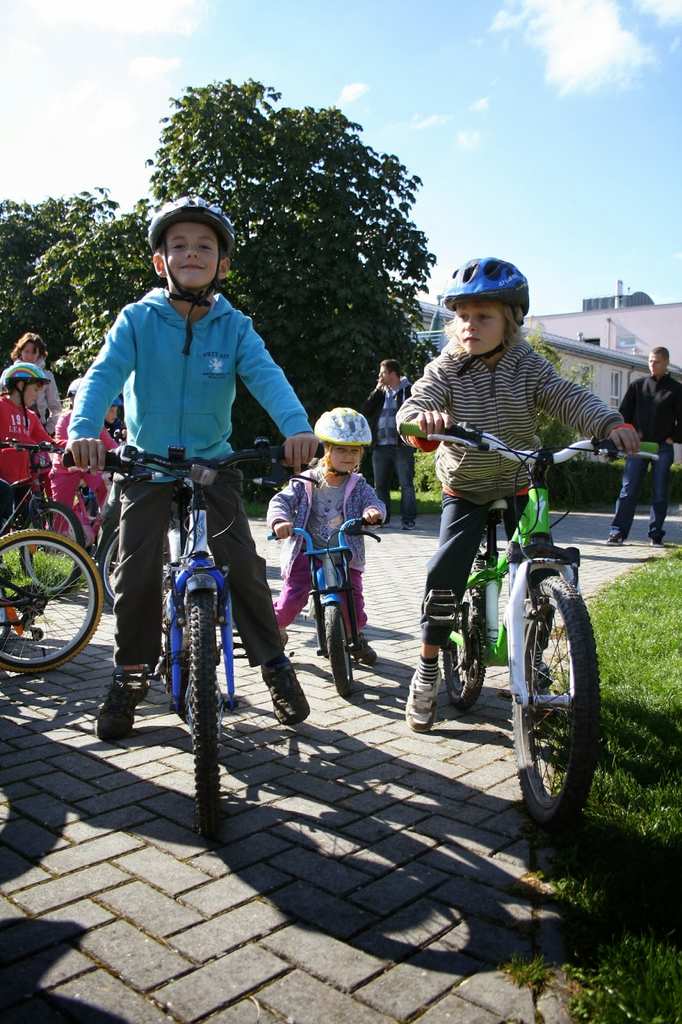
<point>344,426</point>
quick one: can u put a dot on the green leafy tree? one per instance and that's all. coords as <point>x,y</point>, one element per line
<point>553,433</point>
<point>102,261</point>
<point>327,262</point>
<point>26,232</point>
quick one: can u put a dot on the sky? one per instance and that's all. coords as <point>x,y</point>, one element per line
<point>545,132</point>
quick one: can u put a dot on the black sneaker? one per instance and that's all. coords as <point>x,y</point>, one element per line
<point>409,524</point>
<point>117,714</point>
<point>614,538</point>
<point>288,699</point>
<point>656,542</point>
<point>364,653</point>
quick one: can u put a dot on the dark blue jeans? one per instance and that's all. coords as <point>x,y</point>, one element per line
<point>633,475</point>
<point>385,459</point>
<point>461,529</point>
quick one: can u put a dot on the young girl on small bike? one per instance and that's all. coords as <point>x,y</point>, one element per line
<point>320,500</point>
<point>489,376</point>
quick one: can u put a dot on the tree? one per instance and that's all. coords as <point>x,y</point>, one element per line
<point>553,433</point>
<point>102,261</point>
<point>327,262</point>
<point>26,232</point>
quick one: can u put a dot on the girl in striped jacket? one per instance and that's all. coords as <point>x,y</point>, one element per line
<point>490,377</point>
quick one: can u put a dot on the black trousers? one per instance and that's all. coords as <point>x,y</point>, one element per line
<point>145,512</point>
<point>461,528</point>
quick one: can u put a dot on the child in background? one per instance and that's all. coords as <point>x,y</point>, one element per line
<point>321,500</point>
<point>20,385</point>
<point>65,482</point>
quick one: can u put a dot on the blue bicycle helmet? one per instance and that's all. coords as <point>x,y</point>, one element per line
<point>492,279</point>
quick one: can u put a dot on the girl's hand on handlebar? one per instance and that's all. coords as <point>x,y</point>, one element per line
<point>433,422</point>
<point>88,453</point>
<point>372,516</point>
<point>282,530</point>
<point>625,438</point>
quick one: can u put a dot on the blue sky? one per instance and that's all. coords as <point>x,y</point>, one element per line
<point>547,132</point>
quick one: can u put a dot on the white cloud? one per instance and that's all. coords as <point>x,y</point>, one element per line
<point>130,17</point>
<point>429,121</point>
<point>677,255</point>
<point>666,12</point>
<point>468,140</point>
<point>352,92</point>
<point>478,106</point>
<point>152,67</point>
<point>583,41</point>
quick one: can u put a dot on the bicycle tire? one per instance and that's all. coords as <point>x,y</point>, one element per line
<point>204,709</point>
<point>463,681</point>
<point>106,558</point>
<point>337,647</point>
<point>57,518</point>
<point>59,601</point>
<point>557,748</point>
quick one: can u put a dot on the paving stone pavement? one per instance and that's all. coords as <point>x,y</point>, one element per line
<point>363,873</point>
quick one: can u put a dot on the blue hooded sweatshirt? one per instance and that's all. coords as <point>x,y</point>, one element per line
<point>172,399</point>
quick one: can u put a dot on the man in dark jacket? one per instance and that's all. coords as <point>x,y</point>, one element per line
<point>653,405</point>
<point>389,454</point>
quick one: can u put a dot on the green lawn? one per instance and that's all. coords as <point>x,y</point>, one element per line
<point>619,876</point>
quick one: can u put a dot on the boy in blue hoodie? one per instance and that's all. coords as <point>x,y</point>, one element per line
<point>176,355</point>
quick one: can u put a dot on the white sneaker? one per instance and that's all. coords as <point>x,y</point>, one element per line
<point>420,710</point>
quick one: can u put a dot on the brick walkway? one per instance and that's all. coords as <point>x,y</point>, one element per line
<point>364,874</point>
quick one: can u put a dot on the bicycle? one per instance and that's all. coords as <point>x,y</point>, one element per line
<point>330,584</point>
<point>50,600</point>
<point>34,508</point>
<point>196,603</point>
<point>546,637</point>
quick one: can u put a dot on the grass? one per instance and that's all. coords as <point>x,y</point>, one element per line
<point>525,973</point>
<point>619,875</point>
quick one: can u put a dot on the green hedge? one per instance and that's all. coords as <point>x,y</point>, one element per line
<point>576,484</point>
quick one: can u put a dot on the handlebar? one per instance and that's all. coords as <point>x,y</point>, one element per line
<point>354,527</point>
<point>35,446</point>
<point>469,437</point>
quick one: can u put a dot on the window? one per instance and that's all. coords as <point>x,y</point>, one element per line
<point>616,388</point>
<point>592,341</point>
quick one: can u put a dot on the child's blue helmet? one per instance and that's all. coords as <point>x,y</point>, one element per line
<point>192,208</point>
<point>489,279</point>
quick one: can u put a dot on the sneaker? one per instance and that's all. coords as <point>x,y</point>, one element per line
<point>656,542</point>
<point>364,653</point>
<point>409,524</point>
<point>420,710</point>
<point>288,699</point>
<point>615,538</point>
<point>117,714</point>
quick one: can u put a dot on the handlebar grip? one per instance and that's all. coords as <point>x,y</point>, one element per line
<point>411,430</point>
<point>67,460</point>
<point>648,447</point>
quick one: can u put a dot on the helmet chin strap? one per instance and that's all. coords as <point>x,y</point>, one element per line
<point>468,363</point>
<point>202,297</point>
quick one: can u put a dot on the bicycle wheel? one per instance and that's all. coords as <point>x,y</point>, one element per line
<point>204,709</point>
<point>53,516</point>
<point>51,600</point>
<point>464,667</point>
<point>556,737</point>
<point>339,656</point>
<point>106,557</point>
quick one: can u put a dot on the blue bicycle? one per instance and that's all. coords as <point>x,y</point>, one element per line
<point>196,605</point>
<point>330,585</point>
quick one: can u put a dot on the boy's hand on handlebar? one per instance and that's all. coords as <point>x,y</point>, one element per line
<point>625,438</point>
<point>372,516</point>
<point>299,449</point>
<point>88,453</point>
<point>282,530</point>
<point>433,422</point>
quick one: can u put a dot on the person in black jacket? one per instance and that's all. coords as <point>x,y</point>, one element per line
<point>653,405</point>
<point>389,454</point>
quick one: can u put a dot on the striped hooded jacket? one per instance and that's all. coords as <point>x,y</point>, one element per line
<point>506,402</point>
